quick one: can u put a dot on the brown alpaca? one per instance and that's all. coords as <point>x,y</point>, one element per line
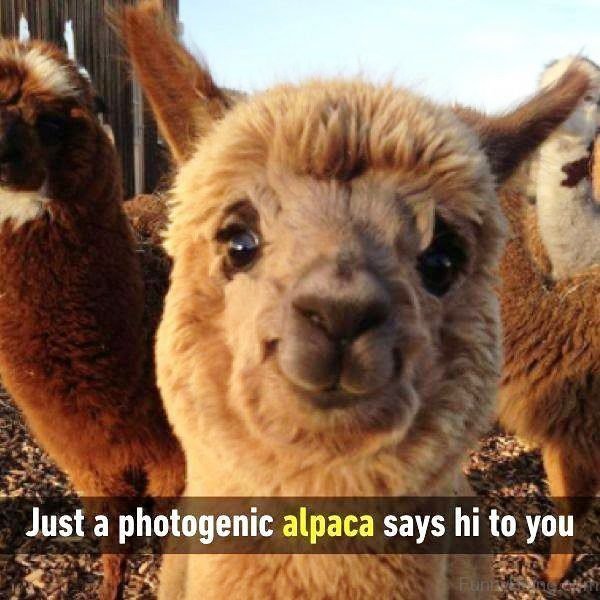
<point>551,377</point>
<point>74,353</point>
<point>331,328</point>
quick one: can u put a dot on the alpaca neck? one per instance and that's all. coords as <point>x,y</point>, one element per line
<point>569,219</point>
<point>389,471</point>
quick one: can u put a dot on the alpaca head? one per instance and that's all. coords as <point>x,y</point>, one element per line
<point>563,177</point>
<point>43,100</point>
<point>584,122</point>
<point>334,250</point>
<point>569,150</point>
<point>337,227</point>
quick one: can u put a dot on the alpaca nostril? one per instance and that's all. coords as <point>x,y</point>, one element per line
<point>310,315</point>
<point>375,316</point>
<point>315,318</point>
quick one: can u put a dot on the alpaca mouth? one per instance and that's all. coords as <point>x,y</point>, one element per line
<point>336,395</point>
<point>336,398</point>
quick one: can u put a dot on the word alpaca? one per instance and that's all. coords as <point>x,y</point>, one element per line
<point>568,207</point>
<point>74,353</point>
<point>331,328</point>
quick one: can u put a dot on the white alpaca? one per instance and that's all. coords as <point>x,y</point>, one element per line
<point>568,212</point>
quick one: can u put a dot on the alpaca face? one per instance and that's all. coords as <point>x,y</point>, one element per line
<point>340,247</point>
<point>567,204</point>
<point>584,122</point>
<point>41,93</point>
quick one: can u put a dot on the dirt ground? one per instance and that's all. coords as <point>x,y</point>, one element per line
<point>501,466</point>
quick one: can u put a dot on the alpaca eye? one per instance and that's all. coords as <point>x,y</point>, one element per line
<point>437,272</point>
<point>440,265</point>
<point>51,129</point>
<point>243,246</point>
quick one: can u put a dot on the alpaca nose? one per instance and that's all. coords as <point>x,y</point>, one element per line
<point>345,314</point>
<point>338,335</point>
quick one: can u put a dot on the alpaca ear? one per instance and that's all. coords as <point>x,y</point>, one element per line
<point>182,94</point>
<point>509,139</point>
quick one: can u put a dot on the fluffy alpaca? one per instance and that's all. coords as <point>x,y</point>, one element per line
<point>551,375</point>
<point>331,327</point>
<point>568,209</point>
<point>74,340</point>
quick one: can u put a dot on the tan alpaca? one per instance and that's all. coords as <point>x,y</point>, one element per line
<point>331,326</point>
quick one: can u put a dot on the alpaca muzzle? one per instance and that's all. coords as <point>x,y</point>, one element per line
<point>338,338</point>
<point>20,163</point>
<point>10,150</point>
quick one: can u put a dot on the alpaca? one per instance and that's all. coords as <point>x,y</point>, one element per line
<point>331,327</point>
<point>551,374</point>
<point>550,284</point>
<point>74,337</point>
<point>568,209</point>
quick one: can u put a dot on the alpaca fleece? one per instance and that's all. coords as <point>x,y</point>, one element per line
<point>148,217</point>
<point>551,375</point>
<point>544,362</point>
